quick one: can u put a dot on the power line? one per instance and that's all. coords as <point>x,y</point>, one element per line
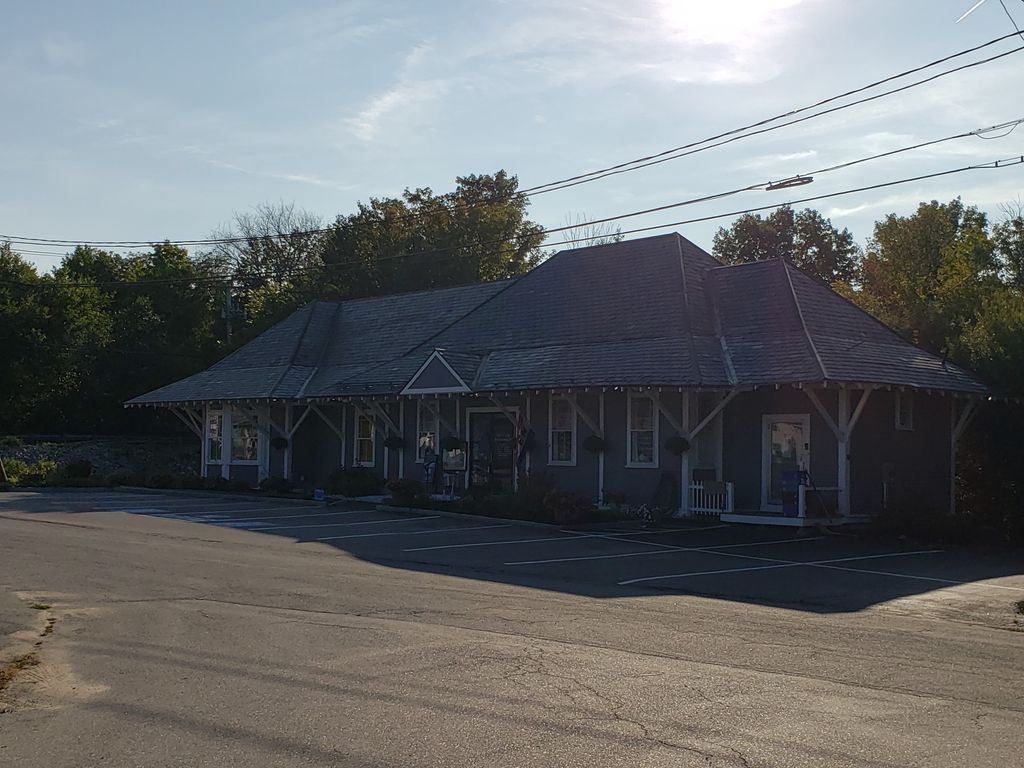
<point>702,146</point>
<point>325,268</point>
<point>642,162</point>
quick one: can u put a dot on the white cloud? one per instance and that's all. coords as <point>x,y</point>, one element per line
<point>298,178</point>
<point>408,95</point>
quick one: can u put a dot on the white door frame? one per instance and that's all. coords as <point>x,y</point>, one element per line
<point>804,456</point>
<point>514,409</point>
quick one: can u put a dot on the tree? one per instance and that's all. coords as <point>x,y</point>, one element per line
<point>806,238</point>
<point>578,232</point>
<point>478,232</point>
<point>926,274</point>
<point>1008,236</point>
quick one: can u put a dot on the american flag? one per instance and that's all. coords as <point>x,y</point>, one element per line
<point>521,430</point>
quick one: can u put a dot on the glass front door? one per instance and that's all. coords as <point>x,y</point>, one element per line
<point>492,450</point>
<point>786,449</point>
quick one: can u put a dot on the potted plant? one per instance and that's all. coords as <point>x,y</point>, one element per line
<point>394,442</point>
<point>594,443</point>
<point>279,442</point>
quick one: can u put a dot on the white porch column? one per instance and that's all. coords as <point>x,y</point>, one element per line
<point>684,459</point>
<point>263,442</point>
<point>288,415</point>
<point>600,455</point>
<point>225,444</point>
<point>204,441</point>
<point>843,452</point>
<point>401,431</point>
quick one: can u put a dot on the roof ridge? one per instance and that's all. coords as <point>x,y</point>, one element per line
<point>730,369</point>
<point>803,322</point>
<point>421,291</point>
<point>687,317</point>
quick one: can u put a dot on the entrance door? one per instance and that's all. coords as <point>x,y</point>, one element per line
<point>492,450</point>
<point>786,448</point>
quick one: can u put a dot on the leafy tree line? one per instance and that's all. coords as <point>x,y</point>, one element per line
<point>103,327</point>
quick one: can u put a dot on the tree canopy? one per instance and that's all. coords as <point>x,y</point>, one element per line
<point>804,237</point>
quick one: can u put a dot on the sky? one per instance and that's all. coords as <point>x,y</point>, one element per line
<point>145,121</point>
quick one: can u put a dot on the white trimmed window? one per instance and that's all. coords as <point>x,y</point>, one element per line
<point>562,432</point>
<point>244,439</point>
<point>904,402</point>
<point>641,431</point>
<point>214,436</point>
<point>426,430</point>
<point>366,438</point>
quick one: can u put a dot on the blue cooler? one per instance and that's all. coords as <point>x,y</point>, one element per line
<point>791,482</point>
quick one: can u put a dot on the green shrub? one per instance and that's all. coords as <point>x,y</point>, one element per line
<point>353,481</point>
<point>10,441</point>
<point>405,491</point>
<point>117,478</point>
<point>40,473</point>
<point>16,469</point>
<point>160,481</point>
<point>569,507</point>
<point>77,469</point>
<point>614,498</point>
<point>533,487</point>
<point>275,485</point>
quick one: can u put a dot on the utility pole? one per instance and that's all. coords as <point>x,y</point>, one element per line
<point>228,311</point>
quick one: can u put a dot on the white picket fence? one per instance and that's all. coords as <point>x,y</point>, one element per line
<point>711,498</point>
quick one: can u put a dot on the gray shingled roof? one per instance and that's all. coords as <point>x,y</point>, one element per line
<point>653,311</point>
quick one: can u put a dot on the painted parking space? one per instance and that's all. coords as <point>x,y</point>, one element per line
<point>815,570</point>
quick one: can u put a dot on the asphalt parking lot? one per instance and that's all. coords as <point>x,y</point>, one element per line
<point>813,571</point>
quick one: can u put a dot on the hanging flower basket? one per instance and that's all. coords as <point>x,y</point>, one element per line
<point>278,443</point>
<point>677,444</point>
<point>529,441</point>
<point>394,442</point>
<point>451,443</point>
<point>594,444</point>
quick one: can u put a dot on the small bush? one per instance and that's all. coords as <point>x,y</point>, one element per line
<point>10,441</point>
<point>275,485</point>
<point>569,507</point>
<point>614,498</point>
<point>77,469</point>
<point>117,478</point>
<point>354,481</point>
<point>533,487</point>
<point>40,473</point>
<point>16,469</point>
<point>161,481</point>
<point>405,491</point>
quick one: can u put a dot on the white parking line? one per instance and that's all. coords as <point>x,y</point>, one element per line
<point>780,564</point>
<point>507,541</point>
<point>664,549</point>
<point>264,517</point>
<point>412,533</point>
<point>345,525</point>
<point>923,578</point>
<point>170,506</point>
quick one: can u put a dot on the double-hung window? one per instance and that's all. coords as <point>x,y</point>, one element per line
<point>426,431</point>
<point>214,436</point>
<point>904,403</point>
<point>365,441</point>
<point>642,431</point>
<point>244,439</point>
<point>562,429</point>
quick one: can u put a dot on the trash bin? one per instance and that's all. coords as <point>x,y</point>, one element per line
<point>791,482</point>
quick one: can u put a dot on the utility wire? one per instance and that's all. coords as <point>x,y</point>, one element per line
<point>325,268</point>
<point>701,146</point>
<point>733,135</point>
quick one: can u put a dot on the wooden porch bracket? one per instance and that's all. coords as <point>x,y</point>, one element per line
<point>582,415</point>
<point>190,420</point>
<point>711,416</point>
<point>291,430</point>
<point>842,429</point>
<point>656,396</point>
<point>316,409</point>
<point>957,426</point>
<point>385,417</point>
<point>435,408</point>
<point>508,414</point>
